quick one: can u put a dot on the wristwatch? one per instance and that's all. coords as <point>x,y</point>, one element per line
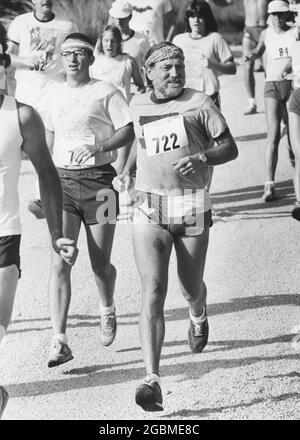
<point>202,157</point>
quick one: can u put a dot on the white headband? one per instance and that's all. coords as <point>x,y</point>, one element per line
<point>78,44</point>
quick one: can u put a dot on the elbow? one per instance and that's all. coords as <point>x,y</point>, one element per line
<point>131,134</point>
<point>232,70</point>
<point>234,152</point>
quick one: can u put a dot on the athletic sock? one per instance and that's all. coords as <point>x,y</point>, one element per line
<point>270,182</point>
<point>198,319</point>
<point>153,377</point>
<point>107,310</point>
<point>2,333</point>
<point>252,101</point>
<point>61,337</point>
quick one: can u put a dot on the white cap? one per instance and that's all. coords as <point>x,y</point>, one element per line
<point>120,9</point>
<point>278,6</point>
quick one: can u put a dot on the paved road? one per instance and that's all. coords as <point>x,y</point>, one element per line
<point>248,370</point>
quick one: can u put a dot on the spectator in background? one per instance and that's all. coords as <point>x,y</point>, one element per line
<point>206,53</point>
<point>150,17</point>
<point>255,23</point>
<point>277,41</point>
<point>35,40</point>
<point>114,66</point>
<point>135,44</point>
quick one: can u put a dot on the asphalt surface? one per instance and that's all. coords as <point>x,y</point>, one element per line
<point>249,369</point>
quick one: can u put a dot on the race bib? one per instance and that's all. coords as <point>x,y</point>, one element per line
<point>165,135</point>
<point>66,145</point>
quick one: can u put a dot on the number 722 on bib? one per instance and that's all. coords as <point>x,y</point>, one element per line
<point>165,135</point>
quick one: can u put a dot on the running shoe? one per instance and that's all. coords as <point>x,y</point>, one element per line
<point>59,353</point>
<point>198,334</point>
<point>296,211</point>
<point>108,328</point>
<point>269,192</point>
<point>36,208</point>
<point>3,400</point>
<point>251,109</point>
<point>148,395</point>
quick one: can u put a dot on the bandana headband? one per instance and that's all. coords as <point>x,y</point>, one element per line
<point>71,44</point>
<point>164,53</point>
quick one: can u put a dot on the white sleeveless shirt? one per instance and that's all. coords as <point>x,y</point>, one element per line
<point>10,162</point>
<point>278,50</point>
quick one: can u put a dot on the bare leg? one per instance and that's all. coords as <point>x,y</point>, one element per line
<point>152,247</point>
<point>191,256</point>
<point>274,114</point>
<point>100,241</point>
<point>249,79</point>
<point>59,282</point>
<point>8,286</point>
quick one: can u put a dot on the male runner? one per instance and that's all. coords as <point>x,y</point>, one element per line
<point>179,132</point>
<point>87,121</point>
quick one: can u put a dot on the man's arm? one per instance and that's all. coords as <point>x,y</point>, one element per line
<point>137,76</point>
<point>224,150</point>
<point>34,145</point>
<point>18,61</point>
<point>119,139</point>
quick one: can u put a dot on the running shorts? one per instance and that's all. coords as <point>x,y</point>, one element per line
<point>253,33</point>
<point>279,90</point>
<point>152,210</point>
<point>10,251</point>
<point>89,194</point>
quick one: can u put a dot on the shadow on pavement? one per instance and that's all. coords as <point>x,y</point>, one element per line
<point>189,370</point>
<point>251,137</point>
<point>205,412</point>
<point>234,305</point>
<point>231,206</point>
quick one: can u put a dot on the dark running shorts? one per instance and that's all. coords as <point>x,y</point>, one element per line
<point>10,251</point>
<point>253,33</point>
<point>89,194</point>
<point>152,210</point>
<point>279,90</point>
<point>215,97</point>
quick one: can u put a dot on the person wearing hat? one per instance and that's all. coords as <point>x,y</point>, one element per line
<point>151,17</point>
<point>136,44</point>
<point>277,41</point>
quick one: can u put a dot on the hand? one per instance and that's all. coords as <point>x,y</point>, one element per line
<point>66,249</point>
<point>205,63</point>
<point>187,165</point>
<point>82,154</point>
<point>123,182</point>
<point>33,62</point>
<point>246,59</point>
<point>282,75</point>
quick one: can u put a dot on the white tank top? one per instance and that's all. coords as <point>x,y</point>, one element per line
<point>10,162</point>
<point>278,49</point>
